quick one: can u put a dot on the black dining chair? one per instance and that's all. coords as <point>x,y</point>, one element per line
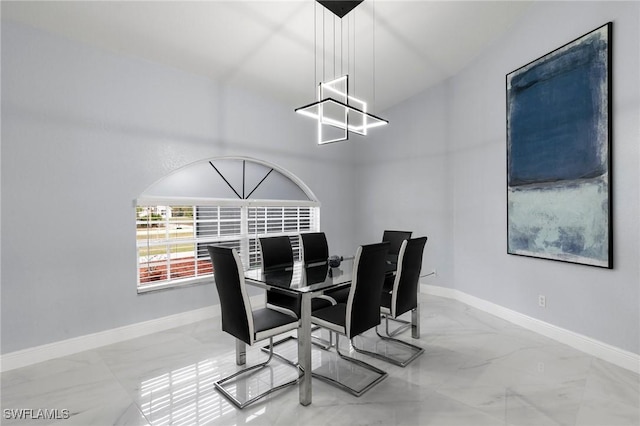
<point>246,325</point>
<point>402,298</point>
<point>395,239</point>
<point>361,312</point>
<point>314,247</point>
<point>277,254</point>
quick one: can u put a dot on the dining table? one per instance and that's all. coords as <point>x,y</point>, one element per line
<point>307,281</point>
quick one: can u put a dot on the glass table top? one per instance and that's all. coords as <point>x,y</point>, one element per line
<point>304,278</point>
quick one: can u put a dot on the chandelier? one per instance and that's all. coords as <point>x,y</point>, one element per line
<point>336,111</point>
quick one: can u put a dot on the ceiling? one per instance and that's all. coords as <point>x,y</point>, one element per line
<point>276,47</point>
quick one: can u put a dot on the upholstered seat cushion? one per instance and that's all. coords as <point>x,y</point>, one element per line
<point>284,301</point>
<point>288,303</point>
<point>319,303</point>
<point>340,296</point>
<point>332,317</point>
<point>268,322</point>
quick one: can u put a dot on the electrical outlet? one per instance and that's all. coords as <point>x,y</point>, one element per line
<point>542,301</point>
<point>435,272</point>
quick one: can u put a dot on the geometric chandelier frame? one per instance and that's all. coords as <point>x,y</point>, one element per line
<point>339,113</point>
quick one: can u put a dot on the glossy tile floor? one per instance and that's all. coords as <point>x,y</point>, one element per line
<point>476,370</point>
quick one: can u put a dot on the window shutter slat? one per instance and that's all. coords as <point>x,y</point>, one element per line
<point>172,240</point>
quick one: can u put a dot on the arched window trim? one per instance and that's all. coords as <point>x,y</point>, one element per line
<point>153,201</point>
<point>312,199</point>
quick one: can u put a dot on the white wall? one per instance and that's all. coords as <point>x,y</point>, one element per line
<point>448,145</point>
<point>404,180</point>
<point>84,132</point>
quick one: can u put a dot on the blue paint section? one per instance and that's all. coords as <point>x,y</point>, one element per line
<point>555,118</point>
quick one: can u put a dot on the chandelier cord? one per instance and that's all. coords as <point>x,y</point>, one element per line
<point>374,53</point>
<point>348,45</point>
<point>341,46</point>
<point>323,47</point>
<point>334,46</point>
<point>327,109</point>
<point>315,44</point>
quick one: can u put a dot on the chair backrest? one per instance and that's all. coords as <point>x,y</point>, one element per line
<point>276,252</point>
<point>404,296</point>
<point>395,239</point>
<point>314,247</point>
<point>237,317</point>
<point>316,274</point>
<point>363,303</point>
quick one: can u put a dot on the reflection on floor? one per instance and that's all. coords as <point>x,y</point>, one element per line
<point>476,370</point>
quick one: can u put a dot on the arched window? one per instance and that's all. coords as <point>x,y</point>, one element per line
<point>229,201</point>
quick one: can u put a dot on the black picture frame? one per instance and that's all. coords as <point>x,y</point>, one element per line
<point>559,134</point>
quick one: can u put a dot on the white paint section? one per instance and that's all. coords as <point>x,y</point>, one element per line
<point>568,223</point>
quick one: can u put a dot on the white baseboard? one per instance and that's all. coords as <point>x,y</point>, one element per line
<point>29,356</point>
<point>609,353</point>
<point>25,357</point>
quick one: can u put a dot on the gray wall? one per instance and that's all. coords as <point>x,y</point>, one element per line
<point>446,178</point>
<point>84,133</point>
<point>404,179</point>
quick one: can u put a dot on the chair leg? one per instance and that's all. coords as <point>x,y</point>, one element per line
<point>357,392</point>
<point>315,340</point>
<point>320,342</point>
<point>241,352</point>
<point>402,363</point>
<point>405,325</point>
<point>251,370</point>
<point>414,324</point>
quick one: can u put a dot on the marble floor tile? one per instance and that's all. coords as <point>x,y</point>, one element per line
<point>476,369</point>
<point>78,390</point>
<point>611,396</point>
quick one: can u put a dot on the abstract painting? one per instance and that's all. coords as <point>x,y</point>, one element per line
<point>558,154</point>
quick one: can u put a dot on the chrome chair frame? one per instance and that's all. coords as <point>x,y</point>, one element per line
<point>364,298</point>
<point>411,263</point>
<point>402,363</point>
<point>248,326</point>
<point>249,371</point>
<point>404,325</point>
<point>320,253</point>
<point>357,392</point>
<point>315,340</point>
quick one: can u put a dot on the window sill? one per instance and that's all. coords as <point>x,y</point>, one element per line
<point>173,285</point>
